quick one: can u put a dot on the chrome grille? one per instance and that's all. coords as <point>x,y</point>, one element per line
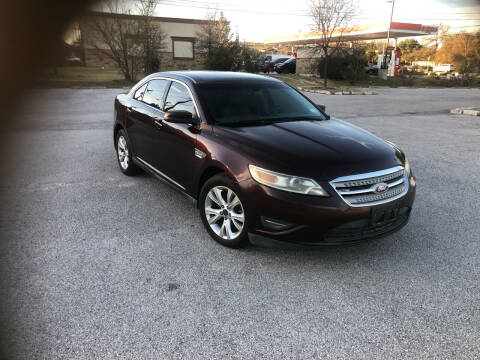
<point>360,189</point>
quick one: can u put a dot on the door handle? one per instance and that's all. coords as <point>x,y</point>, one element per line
<point>158,123</point>
<point>129,109</point>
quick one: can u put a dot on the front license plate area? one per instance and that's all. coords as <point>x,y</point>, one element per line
<point>384,214</point>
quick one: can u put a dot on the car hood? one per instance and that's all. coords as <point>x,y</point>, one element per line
<point>323,150</point>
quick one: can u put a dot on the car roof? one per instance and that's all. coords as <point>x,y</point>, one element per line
<point>210,77</point>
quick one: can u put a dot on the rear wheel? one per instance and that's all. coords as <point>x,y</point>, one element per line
<point>223,212</point>
<point>124,154</point>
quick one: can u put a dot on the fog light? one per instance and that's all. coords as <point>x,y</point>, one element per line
<point>275,224</point>
<point>413,181</point>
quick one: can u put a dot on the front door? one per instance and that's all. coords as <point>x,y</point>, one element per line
<point>173,144</point>
<point>139,125</point>
<point>151,113</point>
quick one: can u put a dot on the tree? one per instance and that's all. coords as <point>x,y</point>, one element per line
<point>131,42</point>
<point>215,38</point>
<point>442,32</point>
<point>249,59</point>
<point>372,48</point>
<point>152,37</point>
<point>423,53</point>
<point>462,50</point>
<point>331,18</point>
<point>409,45</point>
<point>348,64</point>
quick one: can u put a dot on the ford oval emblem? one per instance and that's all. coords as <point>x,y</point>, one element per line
<point>380,188</point>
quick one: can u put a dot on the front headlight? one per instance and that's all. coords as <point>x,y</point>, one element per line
<point>284,182</point>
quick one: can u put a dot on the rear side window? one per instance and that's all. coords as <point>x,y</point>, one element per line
<point>139,93</point>
<point>153,96</point>
<point>179,98</point>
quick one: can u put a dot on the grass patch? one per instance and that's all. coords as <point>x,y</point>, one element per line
<point>374,81</point>
<point>81,76</point>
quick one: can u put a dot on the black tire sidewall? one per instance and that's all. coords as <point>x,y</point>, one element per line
<point>223,180</point>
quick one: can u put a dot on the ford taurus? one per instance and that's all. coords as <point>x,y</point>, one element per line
<point>260,159</point>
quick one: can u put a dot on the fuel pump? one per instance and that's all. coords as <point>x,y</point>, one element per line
<point>394,65</point>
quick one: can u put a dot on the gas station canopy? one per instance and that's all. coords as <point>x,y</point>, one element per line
<point>370,32</point>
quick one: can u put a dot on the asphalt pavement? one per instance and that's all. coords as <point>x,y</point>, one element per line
<point>99,265</point>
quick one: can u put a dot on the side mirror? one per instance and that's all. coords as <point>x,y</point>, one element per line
<point>181,117</point>
<point>323,109</point>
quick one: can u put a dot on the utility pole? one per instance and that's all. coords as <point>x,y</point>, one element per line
<point>390,24</point>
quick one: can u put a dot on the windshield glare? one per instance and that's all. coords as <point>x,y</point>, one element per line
<point>246,103</point>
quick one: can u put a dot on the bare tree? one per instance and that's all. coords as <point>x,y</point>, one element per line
<point>461,49</point>
<point>440,35</point>
<point>216,39</point>
<point>131,42</point>
<point>151,35</point>
<point>331,18</point>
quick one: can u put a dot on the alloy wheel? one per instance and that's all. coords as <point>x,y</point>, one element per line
<point>224,212</point>
<point>123,154</point>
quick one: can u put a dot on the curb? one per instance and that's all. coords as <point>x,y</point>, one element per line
<point>331,92</point>
<point>467,111</point>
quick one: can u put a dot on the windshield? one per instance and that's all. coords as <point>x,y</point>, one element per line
<point>250,103</point>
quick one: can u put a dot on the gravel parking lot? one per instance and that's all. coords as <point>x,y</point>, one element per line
<point>99,265</point>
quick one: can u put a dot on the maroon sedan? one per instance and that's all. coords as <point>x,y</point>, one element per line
<point>261,159</point>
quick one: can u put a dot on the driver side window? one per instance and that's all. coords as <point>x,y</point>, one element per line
<point>179,98</point>
<point>139,93</point>
<point>153,96</point>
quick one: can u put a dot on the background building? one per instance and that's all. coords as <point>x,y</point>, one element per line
<point>178,52</point>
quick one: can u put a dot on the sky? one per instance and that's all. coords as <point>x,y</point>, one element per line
<point>256,20</point>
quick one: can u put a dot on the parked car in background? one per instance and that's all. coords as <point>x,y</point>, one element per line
<point>444,69</point>
<point>270,61</point>
<point>261,159</point>
<point>371,69</point>
<point>288,66</point>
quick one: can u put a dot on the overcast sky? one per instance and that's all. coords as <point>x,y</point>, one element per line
<point>259,19</point>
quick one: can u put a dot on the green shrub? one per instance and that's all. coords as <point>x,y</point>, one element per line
<point>350,67</point>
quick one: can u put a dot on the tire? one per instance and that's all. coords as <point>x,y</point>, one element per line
<point>124,154</point>
<point>218,201</point>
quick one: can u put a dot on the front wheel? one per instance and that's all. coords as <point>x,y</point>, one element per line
<point>223,212</point>
<point>124,154</point>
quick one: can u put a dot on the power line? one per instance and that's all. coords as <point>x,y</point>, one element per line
<point>209,6</point>
<point>239,7</point>
<point>171,3</point>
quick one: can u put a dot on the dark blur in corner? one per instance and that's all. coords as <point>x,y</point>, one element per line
<point>28,30</point>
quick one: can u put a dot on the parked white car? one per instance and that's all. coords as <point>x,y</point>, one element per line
<point>444,68</point>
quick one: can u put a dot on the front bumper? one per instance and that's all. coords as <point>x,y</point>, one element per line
<point>316,220</point>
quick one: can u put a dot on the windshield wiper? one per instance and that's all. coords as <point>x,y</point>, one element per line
<point>298,118</point>
<point>247,123</point>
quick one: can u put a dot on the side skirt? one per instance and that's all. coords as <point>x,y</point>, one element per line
<point>160,176</point>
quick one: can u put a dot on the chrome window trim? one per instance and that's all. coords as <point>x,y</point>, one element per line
<point>368,175</point>
<point>132,91</point>
<point>154,169</point>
